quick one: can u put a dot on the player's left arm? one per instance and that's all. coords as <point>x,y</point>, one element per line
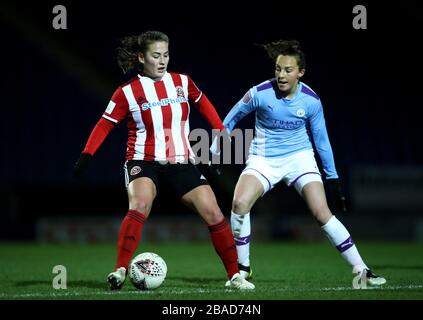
<point>321,139</point>
<point>324,149</point>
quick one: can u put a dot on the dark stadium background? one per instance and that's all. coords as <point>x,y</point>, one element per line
<point>56,84</point>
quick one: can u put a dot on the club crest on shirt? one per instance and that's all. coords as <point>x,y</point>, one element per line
<point>300,112</point>
<point>246,98</point>
<point>135,170</point>
<point>180,91</point>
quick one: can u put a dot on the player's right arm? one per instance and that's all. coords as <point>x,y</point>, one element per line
<point>115,112</point>
<point>242,108</point>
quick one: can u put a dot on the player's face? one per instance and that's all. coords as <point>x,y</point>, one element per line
<point>287,74</point>
<point>155,60</point>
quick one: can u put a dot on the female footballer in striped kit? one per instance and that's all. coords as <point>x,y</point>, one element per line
<point>156,105</point>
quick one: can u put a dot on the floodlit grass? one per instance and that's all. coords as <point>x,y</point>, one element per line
<point>282,271</point>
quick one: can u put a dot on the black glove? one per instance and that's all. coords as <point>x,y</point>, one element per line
<point>215,168</point>
<point>336,194</point>
<point>82,164</point>
<point>215,154</point>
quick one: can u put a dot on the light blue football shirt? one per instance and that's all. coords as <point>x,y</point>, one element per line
<point>285,126</point>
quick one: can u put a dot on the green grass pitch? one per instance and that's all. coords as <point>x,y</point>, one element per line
<point>282,271</point>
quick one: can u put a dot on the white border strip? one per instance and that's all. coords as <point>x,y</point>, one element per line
<point>179,291</point>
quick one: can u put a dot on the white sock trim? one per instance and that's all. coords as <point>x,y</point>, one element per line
<point>241,229</point>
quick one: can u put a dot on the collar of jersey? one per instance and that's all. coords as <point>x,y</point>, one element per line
<point>149,79</point>
<point>297,92</point>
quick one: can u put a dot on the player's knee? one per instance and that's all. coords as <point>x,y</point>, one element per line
<point>213,215</point>
<point>215,219</point>
<point>322,214</point>
<point>141,206</point>
<point>241,205</point>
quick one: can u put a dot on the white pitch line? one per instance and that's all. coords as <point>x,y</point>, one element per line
<point>179,291</point>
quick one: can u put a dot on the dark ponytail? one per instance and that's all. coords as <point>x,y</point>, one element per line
<point>127,54</point>
<point>285,47</point>
<point>131,46</point>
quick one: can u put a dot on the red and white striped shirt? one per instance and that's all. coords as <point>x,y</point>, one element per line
<point>157,114</point>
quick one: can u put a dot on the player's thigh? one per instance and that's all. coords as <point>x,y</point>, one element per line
<point>315,198</point>
<point>183,178</point>
<point>202,200</point>
<point>247,190</point>
<point>141,194</point>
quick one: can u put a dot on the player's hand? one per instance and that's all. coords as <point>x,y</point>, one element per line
<point>82,164</point>
<point>214,150</point>
<point>215,154</point>
<point>214,167</point>
<point>337,194</point>
<point>221,141</point>
<point>214,157</point>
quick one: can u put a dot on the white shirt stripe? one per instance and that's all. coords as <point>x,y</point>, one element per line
<point>134,108</point>
<point>199,97</point>
<point>176,119</point>
<point>184,79</point>
<point>157,118</point>
<point>109,118</point>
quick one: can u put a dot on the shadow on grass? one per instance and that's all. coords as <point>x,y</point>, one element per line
<point>217,281</point>
<point>70,284</point>
<point>197,280</point>
<point>396,267</point>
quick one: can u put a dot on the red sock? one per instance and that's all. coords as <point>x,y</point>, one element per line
<point>129,237</point>
<point>224,244</point>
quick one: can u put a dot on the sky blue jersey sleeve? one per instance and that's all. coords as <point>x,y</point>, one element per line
<point>321,140</point>
<point>245,106</point>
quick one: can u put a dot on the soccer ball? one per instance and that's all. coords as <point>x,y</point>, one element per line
<point>147,271</point>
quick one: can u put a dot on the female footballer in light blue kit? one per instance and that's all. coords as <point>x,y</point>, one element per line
<point>288,117</point>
